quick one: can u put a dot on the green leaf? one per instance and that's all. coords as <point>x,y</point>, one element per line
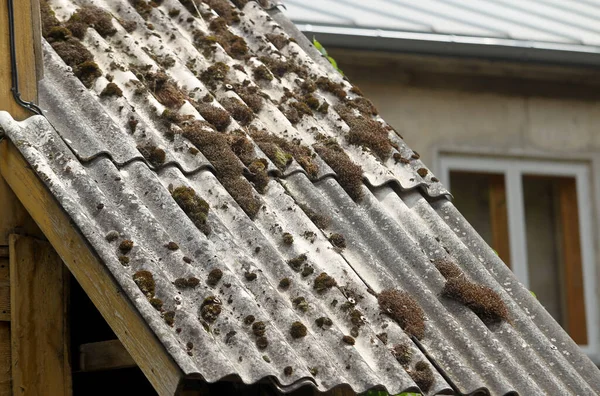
<point>532,293</point>
<point>319,47</point>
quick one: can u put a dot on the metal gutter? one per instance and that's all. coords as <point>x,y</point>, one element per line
<point>456,46</point>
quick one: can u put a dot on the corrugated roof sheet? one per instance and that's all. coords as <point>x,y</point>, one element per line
<point>551,21</point>
<point>86,153</point>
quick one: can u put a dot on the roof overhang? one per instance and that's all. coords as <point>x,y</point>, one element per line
<point>454,46</point>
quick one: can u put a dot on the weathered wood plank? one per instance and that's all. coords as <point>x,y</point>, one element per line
<point>90,272</point>
<point>4,290</point>
<point>25,58</point>
<point>13,217</point>
<point>37,318</point>
<point>4,250</point>
<point>5,371</point>
<point>104,355</point>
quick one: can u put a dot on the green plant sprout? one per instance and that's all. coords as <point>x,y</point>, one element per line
<point>323,52</point>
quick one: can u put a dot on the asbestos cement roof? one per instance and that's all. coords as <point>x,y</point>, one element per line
<point>530,27</point>
<point>121,165</point>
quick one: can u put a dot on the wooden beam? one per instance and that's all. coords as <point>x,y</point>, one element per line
<point>91,273</point>
<point>104,355</point>
<point>26,58</point>
<point>13,217</point>
<point>5,370</point>
<point>499,217</point>
<point>37,319</point>
<point>576,322</point>
<point>4,290</point>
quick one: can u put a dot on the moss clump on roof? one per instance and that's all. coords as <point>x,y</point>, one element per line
<point>366,132</point>
<point>324,322</point>
<point>207,44</point>
<point>357,318</point>
<point>185,283</point>
<point>258,174</point>
<point>248,320</point>
<point>124,260</point>
<point>88,72</point>
<point>259,329</point>
<point>250,94</point>
<point>285,283</point>
<point>402,353</point>
<point>214,276</point>
<point>154,155</point>
<point>422,375</point>
<point>126,246</point>
<point>195,207</point>
<point>280,67</point>
<point>405,311</point>
<point>145,281</point>
<point>169,318</point>
<point>318,219</point>
<point>216,116</point>
<point>144,8</point>
<point>111,89</point>
<point>348,340</point>
<point>281,152</point>
<point>296,262</point>
<point>262,73</point>
<point>482,300</point>
<point>422,172</point>
<point>233,44</point>
<point>278,40</point>
<point>224,9</point>
<point>250,276</point>
<point>447,268</point>
<point>172,246</point>
<point>157,303</point>
<point>398,158</point>
<point>58,33</point>
<point>49,20</point>
<point>287,238</point>
<point>307,270</point>
<point>91,16</point>
<point>288,370</point>
<point>300,304</point>
<point>327,85</point>
<point>262,342</point>
<point>238,110</point>
<point>298,330</point>
<point>349,174</point>
<point>162,87</point>
<point>216,148</point>
<point>338,240</point>
<point>210,309</point>
<point>324,282</point>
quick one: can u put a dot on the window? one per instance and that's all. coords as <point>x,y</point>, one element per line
<point>537,216</point>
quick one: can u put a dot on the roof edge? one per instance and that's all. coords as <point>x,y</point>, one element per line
<point>453,45</point>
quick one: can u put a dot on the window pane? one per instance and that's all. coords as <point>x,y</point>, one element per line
<point>553,250</point>
<point>481,198</point>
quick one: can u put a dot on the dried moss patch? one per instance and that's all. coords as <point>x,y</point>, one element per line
<point>482,300</point>
<point>422,375</point>
<point>210,309</point>
<point>195,207</point>
<point>216,116</point>
<point>338,240</point>
<point>145,281</point>
<point>403,309</point>
<point>259,329</point>
<point>324,282</point>
<point>402,353</point>
<point>154,155</point>
<point>281,152</point>
<point>91,16</point>
<point>216,148</point>
<point>258,174</point>
<point>298,330</point>
<point>214,276</point>
<point>349,174</point>
<point>111,89</point>
<point>238,110</point>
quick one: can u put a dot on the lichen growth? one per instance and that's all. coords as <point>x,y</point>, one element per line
<point>195,207</point>
<point>324,282</point>
<point>214,276</point>
<point>145,281</point>
<point>404,310</point>
<point>298,330</point>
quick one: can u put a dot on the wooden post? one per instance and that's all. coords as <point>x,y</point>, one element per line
<point>26,55</point>
<point>40,352</point>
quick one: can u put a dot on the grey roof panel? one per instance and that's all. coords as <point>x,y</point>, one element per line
<point>403,222</point>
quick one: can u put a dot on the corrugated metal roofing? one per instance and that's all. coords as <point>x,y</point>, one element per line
<point>551,21</point>
<point>86,153</point>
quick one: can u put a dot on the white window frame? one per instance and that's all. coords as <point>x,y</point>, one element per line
<point>513,170</point>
